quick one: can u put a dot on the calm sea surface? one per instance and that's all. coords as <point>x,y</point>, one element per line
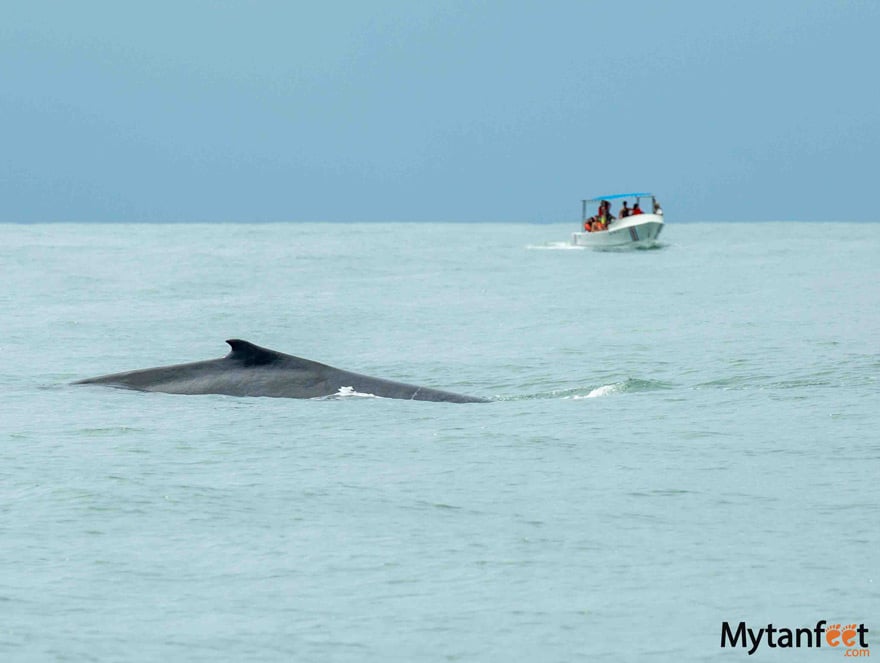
<point>678,437</point>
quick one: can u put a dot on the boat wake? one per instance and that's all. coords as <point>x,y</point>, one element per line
<point>555,246</point>
<point>568,246</point>
<point>626,249</point>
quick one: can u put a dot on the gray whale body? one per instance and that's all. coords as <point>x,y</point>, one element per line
<point>249,370</point>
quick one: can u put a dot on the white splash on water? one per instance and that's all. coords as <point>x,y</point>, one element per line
<point>604,390</point>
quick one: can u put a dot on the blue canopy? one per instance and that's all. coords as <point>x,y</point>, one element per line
<point>618,195</point>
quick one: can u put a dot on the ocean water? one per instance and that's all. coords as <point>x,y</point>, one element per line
<point>677,438</point>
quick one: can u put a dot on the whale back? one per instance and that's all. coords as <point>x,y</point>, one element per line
<point>251,370</point>
<point>248,355</point>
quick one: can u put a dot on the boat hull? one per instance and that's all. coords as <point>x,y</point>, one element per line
<point>639,232</point>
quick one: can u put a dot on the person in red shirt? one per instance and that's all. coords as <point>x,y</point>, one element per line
<point>636,209</point>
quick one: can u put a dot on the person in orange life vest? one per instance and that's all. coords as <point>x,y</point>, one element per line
<point>599,219</point>
<point>606,216</point>
<point>636,210</point>
<point>594,222</point>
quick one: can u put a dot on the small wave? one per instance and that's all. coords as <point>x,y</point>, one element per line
<point>762,381</point>
<point>604,390</point>
<point>630,385</point>
<point>109,431</point>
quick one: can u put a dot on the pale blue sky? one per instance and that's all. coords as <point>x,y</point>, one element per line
<point>436,111</point>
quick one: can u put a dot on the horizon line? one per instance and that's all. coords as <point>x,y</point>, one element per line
<point>404,221</point>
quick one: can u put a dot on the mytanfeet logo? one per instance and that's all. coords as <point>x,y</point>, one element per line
<point>853,638</point>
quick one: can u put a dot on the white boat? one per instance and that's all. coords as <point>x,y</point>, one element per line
<point>637,231</point>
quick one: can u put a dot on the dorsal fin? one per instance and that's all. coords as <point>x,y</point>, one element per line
<point>250,354</point>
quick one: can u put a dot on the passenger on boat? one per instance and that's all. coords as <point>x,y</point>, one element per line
<point>636,209</point>
<point>608,213</point>
<point>625,211</point>
<point>604,217</point>
<point>593,223</point>
<point>657,209</point>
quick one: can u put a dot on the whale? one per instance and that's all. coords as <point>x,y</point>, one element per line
<point>249,370</point>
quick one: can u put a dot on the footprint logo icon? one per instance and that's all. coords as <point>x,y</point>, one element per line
<point>849,635</point>
<point>832,635</point>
